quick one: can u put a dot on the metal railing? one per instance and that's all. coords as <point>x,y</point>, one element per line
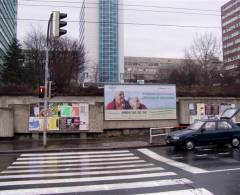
<point>163,131</point>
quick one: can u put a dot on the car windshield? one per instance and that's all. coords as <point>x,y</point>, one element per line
<point>196,125</point>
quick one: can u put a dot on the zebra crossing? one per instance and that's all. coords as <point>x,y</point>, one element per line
<point>117,171</point>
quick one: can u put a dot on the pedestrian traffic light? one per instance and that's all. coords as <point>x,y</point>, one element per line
<point>41,91</point>
<point>58,24</point>
<point>52,89</point>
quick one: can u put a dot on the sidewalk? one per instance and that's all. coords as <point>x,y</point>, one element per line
<point>72,144</point>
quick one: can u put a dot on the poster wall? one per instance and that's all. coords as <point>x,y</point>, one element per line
<point>206,111</point>
<point>139,102</point>
<point>61,116</point>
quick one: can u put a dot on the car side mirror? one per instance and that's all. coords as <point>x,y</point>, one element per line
<point>203,129</point>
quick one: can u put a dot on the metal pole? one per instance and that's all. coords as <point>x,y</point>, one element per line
<point>46,84</point>
<point>45,98</point>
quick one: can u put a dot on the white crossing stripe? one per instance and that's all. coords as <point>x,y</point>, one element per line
<point>86,179</point>
<point>171,162</point>
<point>177,157</point>
<point>76,153</point>
<point>77,168</point>
<point>79,173</point>
<point>75,157</point>
<point>94,188</point>
<point>198,191</point>
<point>224,153</point>
<point>201,155</point>
<point>80,164</point>
<point>75,160</point>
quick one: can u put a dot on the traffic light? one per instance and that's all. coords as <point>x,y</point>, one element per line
<point>52,89</point>
<point>58,24</point>
<point>41,91</point>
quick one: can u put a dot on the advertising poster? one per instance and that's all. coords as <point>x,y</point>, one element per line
<point>75,111</point>
<point>53,123</point>
<point>34,124</point>
<point>207,111</point>
<point>69,123</point>
<point>34,110</point>
<point>139,102</point>
<point>200,110</point>
<point>66,110</point>
<point>84,121</point>
<point>60,116</point>
<point>53,110</point>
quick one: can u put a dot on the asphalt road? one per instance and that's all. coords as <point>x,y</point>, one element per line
<point>160,170</point>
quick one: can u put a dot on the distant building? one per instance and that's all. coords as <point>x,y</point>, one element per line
<point>231,34</point>
<point>8,25</point>
<point>102,38</point>
<point>151,70</point>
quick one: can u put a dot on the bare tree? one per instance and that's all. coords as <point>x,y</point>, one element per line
<point>186,74</point>
<point>66,59</point>
<point>34,46</point>
<point>204,53</point>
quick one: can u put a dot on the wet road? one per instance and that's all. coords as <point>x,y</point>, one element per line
<point>160,170</point>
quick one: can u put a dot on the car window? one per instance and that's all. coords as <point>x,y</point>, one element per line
<point>224,125</point>
<point>196,125</point>
<point>209,126</point>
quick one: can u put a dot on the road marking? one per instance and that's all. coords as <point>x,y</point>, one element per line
<point>79,173</point>
<point>77,168</point>
<point>94,188</point>
<point>207,149</point>
<point>174,163</point>
<point>200,155</point>
<point>78,164</point>
<point>74,160</point>
<point>86,179</point>
<point>198,191</point>
<point>177,157</point>
<point>74,157</point>
<point>75,153</point>
<point>222,170</point>
<point>224,153</point>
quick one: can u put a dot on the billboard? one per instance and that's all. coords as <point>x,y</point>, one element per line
<point>139,102</point>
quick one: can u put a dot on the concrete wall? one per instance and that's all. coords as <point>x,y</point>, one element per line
<point>19,113</point>
<point>6,122</point>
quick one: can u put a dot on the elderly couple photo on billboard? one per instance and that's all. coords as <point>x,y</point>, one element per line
<point>120,103</point>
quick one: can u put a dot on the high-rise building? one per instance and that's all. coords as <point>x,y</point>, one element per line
<point>8,25</point>
<point>101,35</point>
<point>231,34</point>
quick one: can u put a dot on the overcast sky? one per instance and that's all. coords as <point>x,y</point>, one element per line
<point>139,40</point>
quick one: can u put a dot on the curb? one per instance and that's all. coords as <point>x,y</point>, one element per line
<point>78,149</point>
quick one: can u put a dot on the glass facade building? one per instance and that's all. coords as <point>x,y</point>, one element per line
<point>101,35</point>
<point>8,25</point>
<point>108,41</point>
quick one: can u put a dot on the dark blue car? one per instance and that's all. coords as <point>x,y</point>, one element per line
<point>207,132</point>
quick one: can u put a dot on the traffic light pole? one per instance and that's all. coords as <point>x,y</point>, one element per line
<point>46,83</point>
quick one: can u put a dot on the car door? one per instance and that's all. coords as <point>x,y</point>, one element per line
<point>225,131</point>
<point>207,133</point>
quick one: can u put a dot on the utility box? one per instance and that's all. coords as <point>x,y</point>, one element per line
<point>6,122</point>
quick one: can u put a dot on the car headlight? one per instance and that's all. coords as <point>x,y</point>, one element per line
<point>175,137</point>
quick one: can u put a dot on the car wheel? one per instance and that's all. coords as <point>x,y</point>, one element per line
<point>189,145</point>
<point>235,142</point>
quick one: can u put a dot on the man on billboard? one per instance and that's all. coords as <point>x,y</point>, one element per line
<point>119,102</point>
